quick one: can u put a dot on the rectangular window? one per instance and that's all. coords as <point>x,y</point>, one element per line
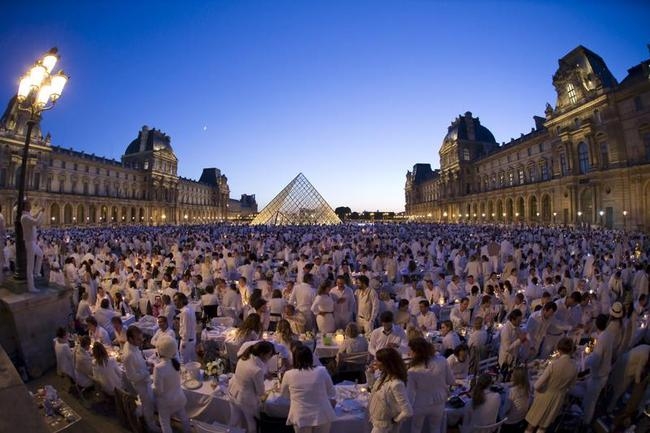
<point>563,165</point>
<point>571,93</point>
<point>522,178</point>
<point>604,155</point>
<point>545,175</point>
<point>531,173</point>
<point>511,179</point>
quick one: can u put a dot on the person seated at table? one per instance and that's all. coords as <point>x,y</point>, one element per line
<point>429,377</point>
<point>120,331</point>
<point>295,318</point>
<point>283,333</point>
<point>426,319</point>
<point>83,309</point>
<point>163,329</point>
<point>478,338</point>
<point>63,352</point>
<point>460,314</point>
<point>83,365</point>
<point>459,362</point>
<point>276,307</point>
<point>403,316</point>
<point>103,315</point>
<point>353,342</point>
<point>414,302</point>
<point>387,335</point>
<point>96,332</point>
<point>517,402</point>
<point>231,303</point>
<point>486,311</point>
<point>519,304</point>
<point>484,408</point>
<point>450,339</point>
<point>121,305</point>
<point>105,370</point>
<point>246,387</point>
<point>170,397</point>
<point>249,330</point>
<point>311,394</point>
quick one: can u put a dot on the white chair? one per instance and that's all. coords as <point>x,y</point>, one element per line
<point>492,428</point>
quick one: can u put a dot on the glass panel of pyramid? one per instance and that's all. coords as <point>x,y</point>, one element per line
<point>297,203</point>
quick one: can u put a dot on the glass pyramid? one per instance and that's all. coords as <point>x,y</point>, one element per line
<point>297,204</point>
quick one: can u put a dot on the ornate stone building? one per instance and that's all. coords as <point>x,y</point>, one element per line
<point>76,188</point>
<point>586,162</point>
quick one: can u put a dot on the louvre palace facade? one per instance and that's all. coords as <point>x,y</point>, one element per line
<point>76,188</point>
<point>586,162</point>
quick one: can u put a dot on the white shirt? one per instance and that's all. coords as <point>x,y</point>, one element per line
<point>159,333</point>
<point>135,366</point>
<point>379,339</point>
<point>187,324</point>
<point>310,392</point>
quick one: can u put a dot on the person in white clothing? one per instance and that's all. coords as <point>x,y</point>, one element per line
<point>628,369</point>
<point>33,252</point>
<point>426,319</point>
<point>302,297</point>
<point>367,305</point>
<point>186,328</point>
<point>64,364</point>
<point>460,314</point>
<point>323,309</point>
<point>429,378</point>
<point>387,335</point>
<point>344,303</point>
<point>138,373</point>
<point>311,393</point>
<point>246,387</point>
<point>163,330</point>
<point>484,407</point>
<point>170,398</point>
<point>106,372</point>
<point>511,338</point>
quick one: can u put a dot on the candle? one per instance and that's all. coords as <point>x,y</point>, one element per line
<point>339,338</point>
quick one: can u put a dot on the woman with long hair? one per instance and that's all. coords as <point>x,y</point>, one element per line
<point>247,385</point>
<point>389,404</point>
<point>105,370</point>
<point>311,393</point>
<point>484,408</point>
<point>517,402</point>
<point>170,397</point>
<point>249,330</point>
<point>429,378</point>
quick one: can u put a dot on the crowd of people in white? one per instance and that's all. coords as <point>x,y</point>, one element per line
<point>413,292</point>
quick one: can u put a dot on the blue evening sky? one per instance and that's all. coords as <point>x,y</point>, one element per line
<point>351,93</point>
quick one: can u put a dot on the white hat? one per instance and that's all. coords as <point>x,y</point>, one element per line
<point>166,347</point>
<point>617,310</point>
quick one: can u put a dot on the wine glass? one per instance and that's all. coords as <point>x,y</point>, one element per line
<point>213,383</point>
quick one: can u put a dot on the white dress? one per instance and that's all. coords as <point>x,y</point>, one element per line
<point>310,392</point>
<point>323,309</point>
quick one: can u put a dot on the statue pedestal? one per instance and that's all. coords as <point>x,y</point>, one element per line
<point>28,323</point>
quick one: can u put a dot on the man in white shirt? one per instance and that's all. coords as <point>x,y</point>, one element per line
<point>460,314</point>
<point>426,320</point>
<point>511,338</point>
<point>33,252</point>
<point>96,332</point>
<point>139,374</point>
<point>450,339</point>
<point>600,364</point>
<point>163,330</point>
<point>302,297</point>
<point>387,335</point>
<point>344,303</point>
<point>537,326</point>
<point>367,305</point>
<point>186,327</point>
<point>628,368</point>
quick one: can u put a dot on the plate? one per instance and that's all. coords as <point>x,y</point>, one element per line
<point>192,384</point>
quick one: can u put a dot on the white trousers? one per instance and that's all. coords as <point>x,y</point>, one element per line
<point>145,392</point>
<point>164,416</point>
<point>434,414</point>
<point>243,417</point>
<point>325,428</point>
<point>594,386</point>
<point>188,351</point>
<point>34,260</point>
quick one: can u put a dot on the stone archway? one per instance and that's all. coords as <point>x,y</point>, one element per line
<point>587,206</point>
<point>55,214</point>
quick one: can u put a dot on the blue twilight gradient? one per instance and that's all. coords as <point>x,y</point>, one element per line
<point>351,93</point>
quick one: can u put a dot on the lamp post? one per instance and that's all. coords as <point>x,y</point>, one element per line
<point>554,215</point>
<point>601,213</point>
<point>624,220</point>
<point>580,218</point>
<point>38,91</point>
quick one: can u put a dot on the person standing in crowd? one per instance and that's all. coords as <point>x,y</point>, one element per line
<point>389,404</point>
<point>537,326</point>
<point>170,398</point>
<point>33,252</point>
<point>599,363</point>
<point>429,377</point>
<point>302,297</point>
<point>138,373</point>
<point>311,394</point>
<point>367,305</point>
<point>323,309</point>
<point>344,303</point>
<point>388,335</point>
<point>511,338</point>
<point>628,369</point>
<point>246,387</point>
<point>186,328</point>
<point>551,388</point>
<point>163,329</point>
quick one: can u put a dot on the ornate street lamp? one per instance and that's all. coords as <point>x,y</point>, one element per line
<point>38,91</point>
<point>625,220</point>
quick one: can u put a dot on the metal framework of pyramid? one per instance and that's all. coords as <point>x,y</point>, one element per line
<point>299,203</point>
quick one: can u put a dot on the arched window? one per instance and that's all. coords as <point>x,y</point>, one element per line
<point>583,158</point>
